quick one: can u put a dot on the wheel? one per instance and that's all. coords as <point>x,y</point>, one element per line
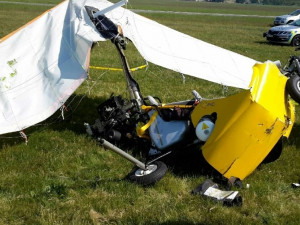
<point>296,40</point>
<point>275,153</point>
<point>155,171</point>
<point>290,21</point>
<point>293,87</point>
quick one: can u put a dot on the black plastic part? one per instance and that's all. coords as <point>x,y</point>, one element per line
<point>104,25</point>
<point>297,65</point>
<point>234,182</point>
<point>237,201</point>
<point>200,189</point>
<point>114,135</point>
<point>149,179</point>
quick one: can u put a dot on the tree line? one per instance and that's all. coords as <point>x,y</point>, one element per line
<point>265,2</point>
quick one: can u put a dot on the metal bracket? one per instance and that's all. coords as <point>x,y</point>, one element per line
<point>110,8</point>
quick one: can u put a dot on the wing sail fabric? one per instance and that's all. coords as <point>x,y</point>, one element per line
<point>174,50</point>
<point>184,54</point>
<point>43,62</point>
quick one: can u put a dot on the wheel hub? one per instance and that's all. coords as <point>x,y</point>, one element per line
<point>141,172</point>
<point>297,42</point>
<point>298,85</point>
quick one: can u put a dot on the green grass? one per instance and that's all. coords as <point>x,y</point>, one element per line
<point>192,6</point>
<point>64,177</point>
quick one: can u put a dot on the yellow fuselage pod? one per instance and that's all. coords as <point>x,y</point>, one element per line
<point>248,124</point>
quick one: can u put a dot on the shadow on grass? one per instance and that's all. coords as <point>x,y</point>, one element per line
<point>186,162</point>
<point>178,222</point>
<point>11,139</point>
<point>294,136</point>
<point>183,162</point>
<point>79,109</point>
<point>190,162</point>
<point>267,43</point>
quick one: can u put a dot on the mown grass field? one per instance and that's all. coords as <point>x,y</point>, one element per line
<point>63,177</point>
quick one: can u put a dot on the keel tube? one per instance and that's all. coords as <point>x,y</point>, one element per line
<point>122,153</point>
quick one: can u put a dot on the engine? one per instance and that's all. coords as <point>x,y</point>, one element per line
<point>118,119</point>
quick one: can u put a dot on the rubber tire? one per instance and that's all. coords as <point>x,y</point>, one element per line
<point>275,153</point>
<point>293,87</point>
<point>151,178</point>
<point>296,40</point>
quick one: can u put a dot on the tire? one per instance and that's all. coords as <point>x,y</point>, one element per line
<point>156,171</point>
<point>293,87</point>
<point>275,153</point>
<point>296,41</point>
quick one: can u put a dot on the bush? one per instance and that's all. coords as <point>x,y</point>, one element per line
<point>269,2</point>
<point>214,0</point>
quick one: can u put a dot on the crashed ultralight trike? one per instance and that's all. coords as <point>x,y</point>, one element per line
<point>235,133</point>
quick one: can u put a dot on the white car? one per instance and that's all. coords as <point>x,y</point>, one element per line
<point>286,19</point>
<point>285,34</point>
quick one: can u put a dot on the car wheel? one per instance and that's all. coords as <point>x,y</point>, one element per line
<point>290,21</point>
<point>275,153</point>
<point>296,40</point>
<point>155,171</point>
<point>293,87</point>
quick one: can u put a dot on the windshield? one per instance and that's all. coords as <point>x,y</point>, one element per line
<point>295,13</point>
<point>296,23</point>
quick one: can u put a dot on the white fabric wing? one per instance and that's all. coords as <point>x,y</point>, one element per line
<point>42,64</point>
<point>174,50</point>
<point>187,55</point>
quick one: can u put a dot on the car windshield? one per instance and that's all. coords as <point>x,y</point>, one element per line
<point>296,23</point>
<point>295,13</point>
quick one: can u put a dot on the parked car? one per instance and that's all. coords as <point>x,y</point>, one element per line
<point>285,34</point>
<point>287,19</point>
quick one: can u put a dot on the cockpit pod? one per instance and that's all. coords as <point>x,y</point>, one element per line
<point>249,123</point>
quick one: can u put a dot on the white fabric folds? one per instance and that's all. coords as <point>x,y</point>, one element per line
<point>43,62</point>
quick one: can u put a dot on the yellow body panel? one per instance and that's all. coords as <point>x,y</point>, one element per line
<point>248,124</point>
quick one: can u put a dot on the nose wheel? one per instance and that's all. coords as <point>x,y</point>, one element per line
<point>153,173</point>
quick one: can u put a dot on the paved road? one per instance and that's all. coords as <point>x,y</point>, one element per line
<point>25,3</point>
<point>149,11</point>
<point>198,13</point>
